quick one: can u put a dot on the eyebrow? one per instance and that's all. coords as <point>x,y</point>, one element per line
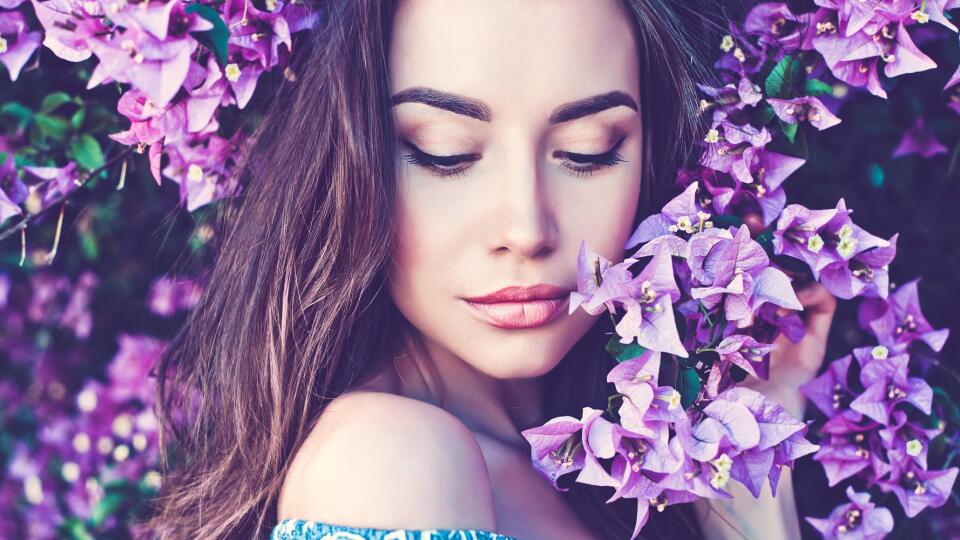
<point>481,111</point>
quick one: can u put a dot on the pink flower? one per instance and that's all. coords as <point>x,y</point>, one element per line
<point>17,42</point>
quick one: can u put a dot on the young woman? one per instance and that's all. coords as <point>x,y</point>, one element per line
<point>389,307</point>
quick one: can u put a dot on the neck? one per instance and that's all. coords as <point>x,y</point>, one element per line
<point>498,408</point>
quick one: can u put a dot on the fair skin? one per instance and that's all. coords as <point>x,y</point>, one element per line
<point>434,440</point>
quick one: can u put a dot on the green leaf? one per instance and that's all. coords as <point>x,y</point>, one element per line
<point>18,111</point>
<point>762,115</point>
<point>214,39</point>
<point>876,175</point>
<point>52,126</point>
<point>765,239</point>
<point>816,87</point>
<point>724,221</point>
<point>690,386</point>
<point>86,150</point>
<point>74,529</point>
<point>623,352</point>
<point>778,81</point>
<point>88,245</point>
<point>77,118</point>
<point>108,505</point>
<point>790,130</point>
<point>54,100</point>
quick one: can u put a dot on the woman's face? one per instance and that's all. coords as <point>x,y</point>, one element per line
<point>530,103</point>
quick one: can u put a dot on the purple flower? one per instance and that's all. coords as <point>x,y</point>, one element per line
<point>636,379</point>
<point>888,385</point>
<point>908,438</point>
<point>556,447</point>
<point>861,258</point>
<point>730,97</point>
<point>740,151</point>
<point>798,235</point>
<point>776,24</point>
<point>631,453</point>
<point>830,391</point>
<point>207,90</point>
<point>859,519</point>
<point>68,24</point>
<point>898,319</point>
<point>865,35</point>
<point>735,271</point>
<point>167,296</point>
<point>76,315</point>
<point>157,67</point>
<point>916,489</point>
<point>151,126</point>
<point>17,42</point>
<point>649,301</point>
<point>592,270</point>
<point>780,440</point>
<point>12,191</point>
<point>738,350</point>
<point>129,371</point>
<point>919,140</point>
<point>809,108</point>
<point>850,448</point>
<point>201,167</point>
<point>47,185</point>
<point>682,214</point>
<point>726,427</point>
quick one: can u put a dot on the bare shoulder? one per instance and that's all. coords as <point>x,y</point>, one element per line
<point>381,460</point>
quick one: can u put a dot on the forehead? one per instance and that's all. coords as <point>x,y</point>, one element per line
<point>518,56</point>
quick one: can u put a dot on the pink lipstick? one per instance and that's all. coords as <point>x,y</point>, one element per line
<point>520,307</point>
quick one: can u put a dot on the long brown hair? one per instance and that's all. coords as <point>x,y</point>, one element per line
<point>296,311</point>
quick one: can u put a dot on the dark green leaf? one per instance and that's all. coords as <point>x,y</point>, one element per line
<point>778,82</point>
<point>76,120</point>
<point>790,130</point>
<point>54,100</point>
<point>689,386</point>
<point>623,352</point>
<point>52,126</point>
<point>762,114</point>
<point>107,506</point>
<point>765,239</point>
<point>18,111</point>
<point>214,39</point>
<point>724,221</point>
<point>86,151</point>
<point>738,373</point>
<point>74,529</point>
<point>876,175</point>
<point>816,87</point>
<point>88,243</point>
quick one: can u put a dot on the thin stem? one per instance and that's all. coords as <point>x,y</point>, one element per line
<point>23,244</point>
<point>56,235</point>
<point>19,225</point>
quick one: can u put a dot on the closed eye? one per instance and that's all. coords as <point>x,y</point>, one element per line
<point>455,165</point>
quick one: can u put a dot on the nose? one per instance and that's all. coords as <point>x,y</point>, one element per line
<point>525,222</point>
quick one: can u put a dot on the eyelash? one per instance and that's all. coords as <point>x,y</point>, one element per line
<point>438,165</point>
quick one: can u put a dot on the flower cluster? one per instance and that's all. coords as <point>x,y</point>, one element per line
<point>682,430</point>
<point>720,263</point>
<point>878,424</point>
<point>180,63</point>
<point>89,447</point>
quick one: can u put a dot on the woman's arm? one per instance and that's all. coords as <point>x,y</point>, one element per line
<point>791,365</point>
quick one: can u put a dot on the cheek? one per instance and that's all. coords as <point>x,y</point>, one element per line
<point>430,237</point>
<point>602,214</point>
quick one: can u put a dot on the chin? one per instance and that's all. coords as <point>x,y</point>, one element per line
<point>525,356</point>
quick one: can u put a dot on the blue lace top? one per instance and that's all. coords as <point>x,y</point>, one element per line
<point>299,529</point>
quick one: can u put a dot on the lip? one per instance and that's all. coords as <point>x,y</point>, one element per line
<point>520,307</point>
